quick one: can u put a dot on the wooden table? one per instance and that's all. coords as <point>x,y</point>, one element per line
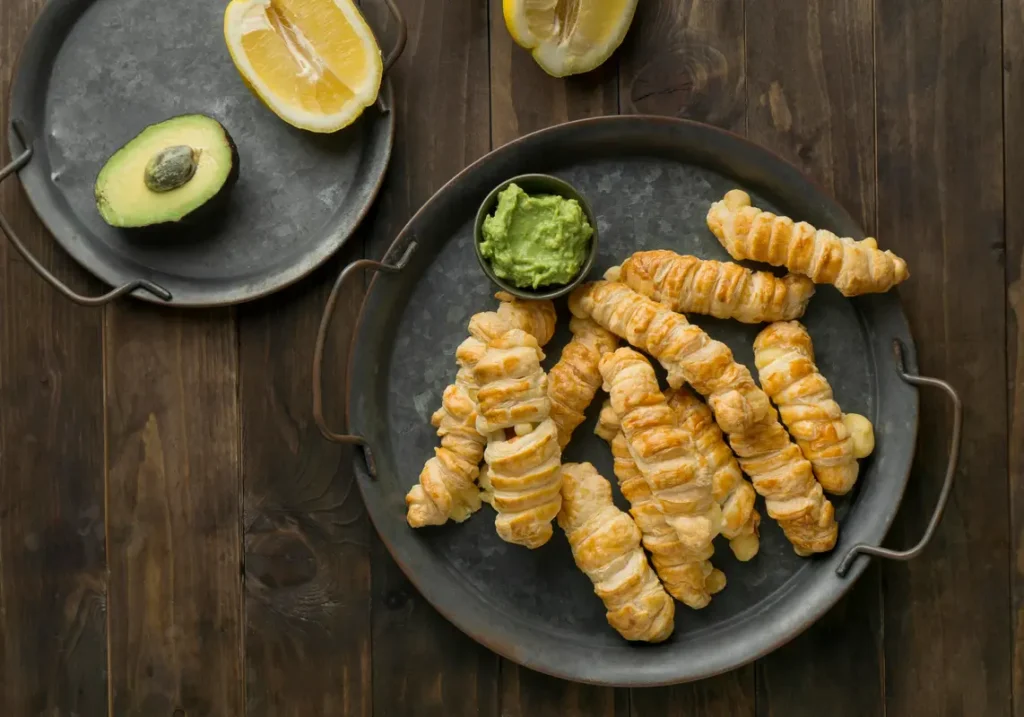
<point>176,539</point>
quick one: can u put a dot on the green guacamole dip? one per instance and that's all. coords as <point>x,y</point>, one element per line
<point>533,241</point>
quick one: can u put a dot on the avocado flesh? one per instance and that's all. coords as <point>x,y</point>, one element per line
<point>124,200</point>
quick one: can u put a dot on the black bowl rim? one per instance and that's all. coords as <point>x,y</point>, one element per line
<point>556,290</point>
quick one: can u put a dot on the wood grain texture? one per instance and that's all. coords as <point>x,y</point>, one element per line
<point>53,582</point>
<point>940,189</point>
<point>1013,125</point>
<point>422,664</point>
<point>813,102</point>
<point>525,99</point>
<point>179,384</point>
<point>525,693</point>
<point>307,564</point>
<point>728,695</point>
<point>173,514</point>
<point>687,59</point>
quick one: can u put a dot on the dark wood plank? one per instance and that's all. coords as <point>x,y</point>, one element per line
<point>173,516</point>
<point>686,59</point>
<point>524,99</point>
<point>422,665</point>
<point>940,190</point>
<point>525,693</point>
<point>307,537</point>
<point>812,101</point>
<point>53,584</point>
<point>307,564</point>
<point>728,695</point>
<point>1013,124</point>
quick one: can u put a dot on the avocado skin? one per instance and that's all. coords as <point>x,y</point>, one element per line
<point>204,212</point>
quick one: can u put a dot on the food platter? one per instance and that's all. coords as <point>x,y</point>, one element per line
<point>93,73</point>
<point>649,182</point>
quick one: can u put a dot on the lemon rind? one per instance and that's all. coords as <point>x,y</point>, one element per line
<point>551,57</point>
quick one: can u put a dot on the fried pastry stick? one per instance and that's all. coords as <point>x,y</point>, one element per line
<point>691,582</point>
<point>721,289</point>
<point>573,381</point>
<point>522,455</point>
<point>446,487</point>
<point>853,267</point>
<point>831,440</point>
<point>605,544</point>
<point>729,488</point>
<point>678,477</point>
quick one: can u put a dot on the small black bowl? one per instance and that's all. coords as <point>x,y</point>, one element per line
<point>535,184</point>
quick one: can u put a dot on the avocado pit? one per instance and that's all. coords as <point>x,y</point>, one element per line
<point>170,168</point>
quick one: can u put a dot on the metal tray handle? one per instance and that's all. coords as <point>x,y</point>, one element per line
<point>321,339</point>
<point>16,165</point>
<point>396,51</point>
<point>403,35</point>
<point>947,483</point>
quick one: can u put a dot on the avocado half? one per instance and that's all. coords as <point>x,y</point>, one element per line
<point>172,171</point>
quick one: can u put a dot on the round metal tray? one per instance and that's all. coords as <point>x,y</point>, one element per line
<point>93,73</point>
<point>650,182</point>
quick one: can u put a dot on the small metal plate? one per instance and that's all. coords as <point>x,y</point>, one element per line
<point>650,182</point>
<point>94,73</point>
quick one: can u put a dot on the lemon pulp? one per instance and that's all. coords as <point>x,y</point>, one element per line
<point>314,62</point>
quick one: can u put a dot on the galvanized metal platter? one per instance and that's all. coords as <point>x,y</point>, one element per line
<point>93,73</point>
<point>650,182</point>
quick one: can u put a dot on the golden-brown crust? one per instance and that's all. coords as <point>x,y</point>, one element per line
<point>446,483</point>
<point>446,487</point>
<point>730,489</point>
<point>536,318</point>
<point>687,353</point>
<point>678,477</point>
<point>732,492</point>
<point>605,544</point>
<point>525,481</point>
<point>722,289</point>
<point>607,422</point>
<point>774,463</point>
<point>784,356</point>
<point>513,388</point>
<point>686,580</point>
<point>784,478</point>
<point>573,381</point>
<point>853,267</point>
<point>522,471</point>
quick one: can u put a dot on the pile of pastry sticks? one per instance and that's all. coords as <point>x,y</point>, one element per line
<point>679,460</point>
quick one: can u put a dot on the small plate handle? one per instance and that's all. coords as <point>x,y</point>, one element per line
<point>321,339</point>
<point>947,484</point>
<point>403,35</point>
<point>396,50</point>
<point>16,165</point>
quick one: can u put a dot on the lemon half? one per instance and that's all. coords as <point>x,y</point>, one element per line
<point>567,37</point>
<point>315,63</point>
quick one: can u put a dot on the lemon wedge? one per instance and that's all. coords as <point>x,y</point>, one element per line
<point>567,37</point>
<point>315,63</point>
